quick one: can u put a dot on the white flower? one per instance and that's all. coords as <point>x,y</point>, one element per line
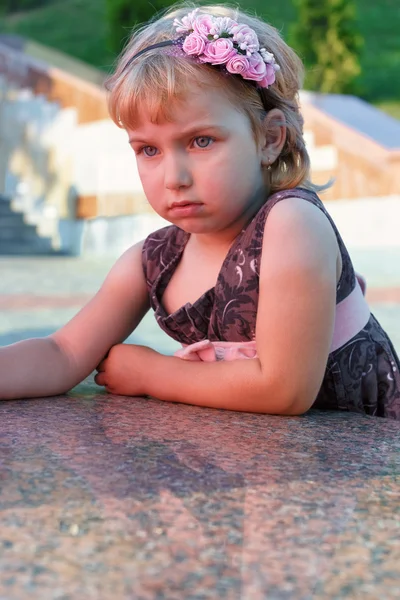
<point>222,25</point>
<point>246,38</point>
<point>268,57</point>
<point>186,24</point>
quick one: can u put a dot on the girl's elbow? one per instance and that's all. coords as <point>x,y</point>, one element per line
<point>300,404</point>
<point>290,402</point>
<point>296,410</point>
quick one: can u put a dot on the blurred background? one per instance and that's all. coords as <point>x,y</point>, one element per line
<point>70,196</point>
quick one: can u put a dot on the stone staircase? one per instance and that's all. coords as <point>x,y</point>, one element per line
<point>34,170</point>
<point>18,237</point>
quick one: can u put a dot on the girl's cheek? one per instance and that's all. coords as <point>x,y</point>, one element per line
<point>146,176</point>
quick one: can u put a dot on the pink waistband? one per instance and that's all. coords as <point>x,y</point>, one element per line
<point>352,315</point>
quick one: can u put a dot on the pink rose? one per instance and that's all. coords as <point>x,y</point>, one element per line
<point>243,34</point>
<point>194,44</point>
<point>203,24</point>
<point>269,78</point>
<point>218,52</point>
<point>237,65</point>
<point>257,68</point>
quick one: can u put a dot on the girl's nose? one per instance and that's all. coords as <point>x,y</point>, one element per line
<point>177,173</point>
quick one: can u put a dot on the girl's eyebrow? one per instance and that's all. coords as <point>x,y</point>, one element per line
<point>190,132</point>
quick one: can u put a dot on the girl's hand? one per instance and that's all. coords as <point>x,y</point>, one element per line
<point>125,370</point>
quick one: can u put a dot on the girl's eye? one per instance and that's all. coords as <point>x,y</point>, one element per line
<point>203,141</point>
<point>148,151</point>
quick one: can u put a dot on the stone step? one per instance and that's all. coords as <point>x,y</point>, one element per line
<point>13,219</point>
<point>5,207</point>
<point>19,233</point>
<point>20,238</point>
<point>27,248</point>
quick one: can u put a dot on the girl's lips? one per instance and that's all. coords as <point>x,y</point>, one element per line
<point>188,209</point>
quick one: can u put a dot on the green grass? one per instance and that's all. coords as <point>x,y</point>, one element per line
<point>379,25</point>
<point>79,28</point>
<point>391,108</point>
<point>76,27</point>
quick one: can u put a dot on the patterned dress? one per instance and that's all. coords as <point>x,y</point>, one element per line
<point>361,376</point>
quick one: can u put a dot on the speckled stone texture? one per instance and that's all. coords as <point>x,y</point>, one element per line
<point>108,497</point>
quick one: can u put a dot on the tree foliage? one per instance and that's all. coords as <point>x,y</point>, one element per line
<point>327,39</point>
<point>125,14</point>
<point>13,6</point>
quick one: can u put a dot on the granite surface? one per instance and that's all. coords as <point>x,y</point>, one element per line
<point>115,498</point>
<point>109,497</point>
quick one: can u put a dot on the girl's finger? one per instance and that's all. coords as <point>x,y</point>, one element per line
<point>101,366</point>
<point>100,379</point>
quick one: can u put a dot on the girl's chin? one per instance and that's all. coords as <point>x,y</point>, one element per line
<point>212,234</point>
<point>194,228</point>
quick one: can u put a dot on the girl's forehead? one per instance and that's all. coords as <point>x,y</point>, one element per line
<point>200,104</point>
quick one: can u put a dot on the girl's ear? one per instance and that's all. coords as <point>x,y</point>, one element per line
<point>273,136</point>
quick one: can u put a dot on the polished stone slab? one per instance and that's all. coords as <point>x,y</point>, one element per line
<point>109,497</point>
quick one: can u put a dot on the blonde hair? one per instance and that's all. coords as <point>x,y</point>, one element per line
<point>156,78</point>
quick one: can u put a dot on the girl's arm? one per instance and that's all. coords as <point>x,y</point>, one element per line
<point>296,310</point>
<point>53,365</point>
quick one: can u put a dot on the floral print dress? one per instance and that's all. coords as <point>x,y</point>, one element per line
<point>362,375</point>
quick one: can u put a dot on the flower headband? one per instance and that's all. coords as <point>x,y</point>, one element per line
<point>222,41</point>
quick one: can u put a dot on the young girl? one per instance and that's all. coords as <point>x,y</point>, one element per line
<point>252,276</point>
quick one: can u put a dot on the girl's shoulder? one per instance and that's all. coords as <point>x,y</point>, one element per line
<point>251,241</point>
<point>299,193</point>
<point>255,229</point>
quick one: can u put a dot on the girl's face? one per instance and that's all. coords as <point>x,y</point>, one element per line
<point>202,170</point>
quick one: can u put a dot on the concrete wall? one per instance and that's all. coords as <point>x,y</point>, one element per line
<point>367,222</point>
<point>363,223</point>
